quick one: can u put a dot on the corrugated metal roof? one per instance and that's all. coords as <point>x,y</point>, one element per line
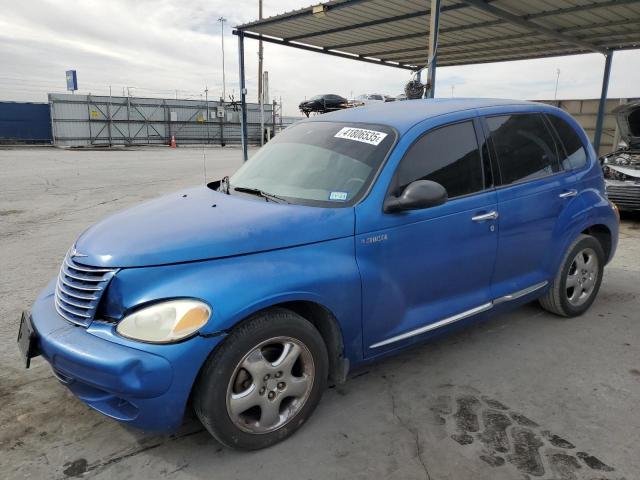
<point>396,32</point>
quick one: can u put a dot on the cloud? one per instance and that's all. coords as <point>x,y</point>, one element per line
<point>156,47</point>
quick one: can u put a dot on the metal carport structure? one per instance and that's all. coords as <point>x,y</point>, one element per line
<point>418,34</point>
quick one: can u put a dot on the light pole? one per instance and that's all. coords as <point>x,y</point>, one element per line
<point>555,95</point>
<point>222,20</point>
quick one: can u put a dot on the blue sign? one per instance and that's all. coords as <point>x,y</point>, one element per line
<point>72,80</point>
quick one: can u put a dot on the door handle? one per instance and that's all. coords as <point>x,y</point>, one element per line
<point>568,194</point>
<point>485,216</point>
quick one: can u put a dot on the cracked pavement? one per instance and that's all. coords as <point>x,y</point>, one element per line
<point>578,379</point>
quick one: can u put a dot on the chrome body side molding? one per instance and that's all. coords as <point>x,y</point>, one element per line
<point>433,326</point>
<point>520,293</point>
<point>462,315</point>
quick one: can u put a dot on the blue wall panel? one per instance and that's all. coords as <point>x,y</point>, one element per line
<point>24,122</point>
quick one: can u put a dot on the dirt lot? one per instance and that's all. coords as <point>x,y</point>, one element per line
<point>525,395</point>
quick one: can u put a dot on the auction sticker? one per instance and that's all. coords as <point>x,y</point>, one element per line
<point>372,137</point>
<point>341,196</point>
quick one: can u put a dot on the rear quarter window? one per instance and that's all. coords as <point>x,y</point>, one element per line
<point>574,155</point>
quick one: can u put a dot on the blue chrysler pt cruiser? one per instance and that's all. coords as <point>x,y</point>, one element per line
<point>349,236</point>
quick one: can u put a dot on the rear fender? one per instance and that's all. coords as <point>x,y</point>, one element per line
<point>586,210</point>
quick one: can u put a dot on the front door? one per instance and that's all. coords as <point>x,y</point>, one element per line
<point>433,266</point>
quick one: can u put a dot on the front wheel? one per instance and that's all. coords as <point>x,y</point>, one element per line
<point>264,381</point>
<point>578,280</point>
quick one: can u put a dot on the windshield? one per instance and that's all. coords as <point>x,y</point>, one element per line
<point>317,163</point>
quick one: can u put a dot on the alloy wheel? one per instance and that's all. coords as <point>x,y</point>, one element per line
<point>582,277</point>
<point>270,385</point>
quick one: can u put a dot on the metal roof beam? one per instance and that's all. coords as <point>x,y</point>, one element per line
<point>547,54</point>
<point>379,21</point>
<point>492,23</point>
<point>497,52</point>
<point>306,12</point>
<point>372,23</point>
<point>480,42</point>
<point>579,8</point>
<point>379,40</point>
<point>309,48</point>
<point>527,24</point>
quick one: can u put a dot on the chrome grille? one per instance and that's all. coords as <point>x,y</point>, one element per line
<point>626,196</point>
<point>79,289</point>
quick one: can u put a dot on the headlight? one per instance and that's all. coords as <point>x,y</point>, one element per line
<point>165,322</point>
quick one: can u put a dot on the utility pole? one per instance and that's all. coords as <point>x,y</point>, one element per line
<point>222,20</point>
<point>260,57</point>
<point>433,48</point>
<point>206,99</point>
<point>260,80</point>
<point>555,95</point>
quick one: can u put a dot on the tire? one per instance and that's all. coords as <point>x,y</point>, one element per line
<point>263,382</point>
<point>565,299</point>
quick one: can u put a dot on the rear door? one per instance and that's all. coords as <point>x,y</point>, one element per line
<point>533,190</point>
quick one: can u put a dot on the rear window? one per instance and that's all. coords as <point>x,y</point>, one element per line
<point>574,155</point>
<point>524,147</point>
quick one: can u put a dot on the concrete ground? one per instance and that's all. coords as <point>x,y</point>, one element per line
<point>524,395</point>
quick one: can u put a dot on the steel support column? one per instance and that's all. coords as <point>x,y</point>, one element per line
<point>243,98</point>
<point>433,48</point>
<point>603,102</point>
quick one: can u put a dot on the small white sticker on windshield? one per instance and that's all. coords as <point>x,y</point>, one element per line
<point>363,135</point>
<point>341,196</point>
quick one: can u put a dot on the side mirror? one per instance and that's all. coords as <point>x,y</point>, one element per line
<point>419,194</point>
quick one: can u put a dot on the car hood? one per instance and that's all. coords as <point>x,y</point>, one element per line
<point>628,118</point>
<point>200,223</point>
<point>629,171</point>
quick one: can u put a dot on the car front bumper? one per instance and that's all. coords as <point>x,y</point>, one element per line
<point>625,194</point>
<point>144,385</point>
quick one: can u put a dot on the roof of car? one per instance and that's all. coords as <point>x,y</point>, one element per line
<point>403,115</point>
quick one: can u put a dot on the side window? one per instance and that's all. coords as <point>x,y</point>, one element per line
<point>448,156</point>
<point>574,156</point>
<point>524,147</point>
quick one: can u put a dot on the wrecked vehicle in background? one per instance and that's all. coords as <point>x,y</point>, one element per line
<point>323,104</point>
<point>622,167</point>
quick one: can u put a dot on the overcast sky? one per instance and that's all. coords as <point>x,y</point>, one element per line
<point>156,47</point>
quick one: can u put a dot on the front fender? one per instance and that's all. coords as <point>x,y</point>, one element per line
<point>236,287</point>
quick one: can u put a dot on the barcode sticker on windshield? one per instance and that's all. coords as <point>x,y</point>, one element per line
<point>340,196</point>
<point>363,135</point>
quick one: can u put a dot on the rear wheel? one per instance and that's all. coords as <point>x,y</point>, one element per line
<point>578,280</point>
<point>264,382</point>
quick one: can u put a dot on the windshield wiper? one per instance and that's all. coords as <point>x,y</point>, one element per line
<point>261,193</point>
